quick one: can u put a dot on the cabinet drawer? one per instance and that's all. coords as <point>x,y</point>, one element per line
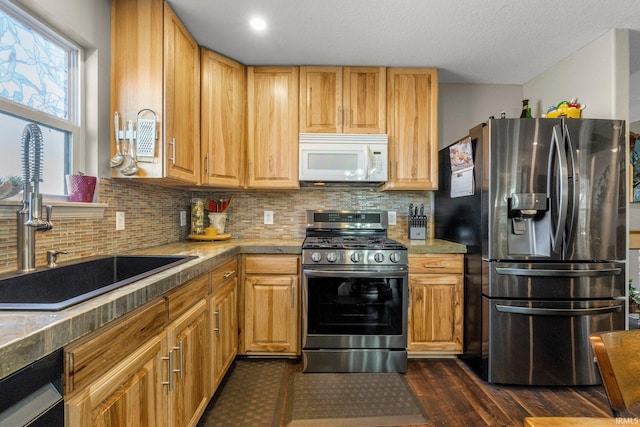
<point>186,296</point>
<point>91,356</point>
<point>223,274</point>
<point>271,264</point>
<point>436,263</point>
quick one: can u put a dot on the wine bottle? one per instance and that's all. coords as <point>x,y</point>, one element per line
<point>526,110</point>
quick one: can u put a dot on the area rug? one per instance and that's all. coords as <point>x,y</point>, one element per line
<point>250,396</point>
<point>352,400</point>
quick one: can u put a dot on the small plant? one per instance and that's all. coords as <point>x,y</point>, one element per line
<point>634,294</point>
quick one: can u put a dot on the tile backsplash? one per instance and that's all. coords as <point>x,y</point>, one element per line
<point>152,217</point>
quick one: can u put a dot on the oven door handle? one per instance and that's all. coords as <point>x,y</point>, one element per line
<point>351,273</point>
<point>557,311</point>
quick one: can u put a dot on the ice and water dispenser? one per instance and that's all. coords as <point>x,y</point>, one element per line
<point>530,225</point>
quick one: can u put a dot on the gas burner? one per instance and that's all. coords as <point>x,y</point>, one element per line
<point>353,239</point>
<point>350,242</point>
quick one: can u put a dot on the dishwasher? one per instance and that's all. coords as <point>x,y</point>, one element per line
<point>32,396</point>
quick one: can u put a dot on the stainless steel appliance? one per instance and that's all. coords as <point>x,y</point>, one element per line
<point>354,293</point>
<point>343,159</point>
<point>546,235</point>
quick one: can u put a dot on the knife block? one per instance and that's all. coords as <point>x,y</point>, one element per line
<point>417,229</point>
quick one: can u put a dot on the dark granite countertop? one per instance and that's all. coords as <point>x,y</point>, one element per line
<point>26,336</point>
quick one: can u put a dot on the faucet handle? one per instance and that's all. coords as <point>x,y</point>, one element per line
<point>52,257</point>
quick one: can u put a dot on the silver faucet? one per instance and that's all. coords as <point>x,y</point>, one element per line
<point>52,257</point>
<point>28,217</point>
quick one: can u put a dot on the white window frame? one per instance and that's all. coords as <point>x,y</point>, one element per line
<point>73,125</point>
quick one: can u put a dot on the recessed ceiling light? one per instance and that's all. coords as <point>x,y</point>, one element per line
<point>258,24</point>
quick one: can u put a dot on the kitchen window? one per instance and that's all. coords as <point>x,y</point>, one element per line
<point>40,74</point>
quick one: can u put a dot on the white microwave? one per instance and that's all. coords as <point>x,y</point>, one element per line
<point>343,158</point>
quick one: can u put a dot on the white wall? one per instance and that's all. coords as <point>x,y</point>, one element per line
<point>597,74</point>
<point>88,23</point>
<point>463,106</point>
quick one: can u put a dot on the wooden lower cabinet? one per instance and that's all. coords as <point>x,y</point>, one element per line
<point>436,289</point>
<point>223,309</point>
<point>130,394</point>
<point>271,305</point>
<point>142,371</point>
<point>189,355</point>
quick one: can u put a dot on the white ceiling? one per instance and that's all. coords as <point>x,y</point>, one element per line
<point>469,41</point>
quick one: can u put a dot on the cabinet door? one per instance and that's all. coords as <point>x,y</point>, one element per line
<point>222,119</point>
<point>412,126</point>
<point>137,70</point>
<point>272,150</point>
<point>189,347</point>
<point>130,394</point>
<point>224,318</point>
<point>271,314</point>
<point>435,313</point>
<point>321,99</point>
<point>182,100</point>
<point>364,99</point>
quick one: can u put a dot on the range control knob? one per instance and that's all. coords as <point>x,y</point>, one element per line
<point>316,257</point>
<point>332,257</point>
<point>378,257</point>
<point>355,257</point>
<point>394,257</point>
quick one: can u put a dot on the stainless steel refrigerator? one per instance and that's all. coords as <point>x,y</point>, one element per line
<point>543,218</point>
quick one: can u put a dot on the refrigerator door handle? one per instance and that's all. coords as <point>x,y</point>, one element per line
<point>558,311</point>
<point>562,188</point>
<point>572,180</point>
<point>556,272</point>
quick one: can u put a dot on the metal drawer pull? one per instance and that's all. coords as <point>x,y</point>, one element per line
<point>433,266</point>
<point>557,311</point>
<point>229,273</point>
<point>553,272</point>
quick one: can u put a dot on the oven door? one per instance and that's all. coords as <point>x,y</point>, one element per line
<point>346,309</point>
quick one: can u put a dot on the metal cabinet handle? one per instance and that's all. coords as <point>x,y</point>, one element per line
<point>293,296</point>
<point>218,313</point>
<point>170,382</point>
<point>180,369</point>
<point>173,155</point>
<point>206,163</point>
<point>228,274</point>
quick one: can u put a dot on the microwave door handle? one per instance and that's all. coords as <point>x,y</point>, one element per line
<point>367,161</point>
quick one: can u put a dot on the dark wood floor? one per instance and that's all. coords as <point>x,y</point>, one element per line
<point>452,395</point>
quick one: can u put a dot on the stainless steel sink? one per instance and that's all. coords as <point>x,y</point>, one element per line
<point>58,288</point>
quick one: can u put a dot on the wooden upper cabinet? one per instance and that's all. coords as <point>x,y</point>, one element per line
<point>321,99</point>
<point>272,140</point>
<point>364,99</point>
<point>412,101</point>
<point>222,120</point>
<point>155,65</point>
<point>182,100</point>
<point>342,99</point>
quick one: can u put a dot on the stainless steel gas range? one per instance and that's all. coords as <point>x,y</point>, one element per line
<point>354,293</point>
